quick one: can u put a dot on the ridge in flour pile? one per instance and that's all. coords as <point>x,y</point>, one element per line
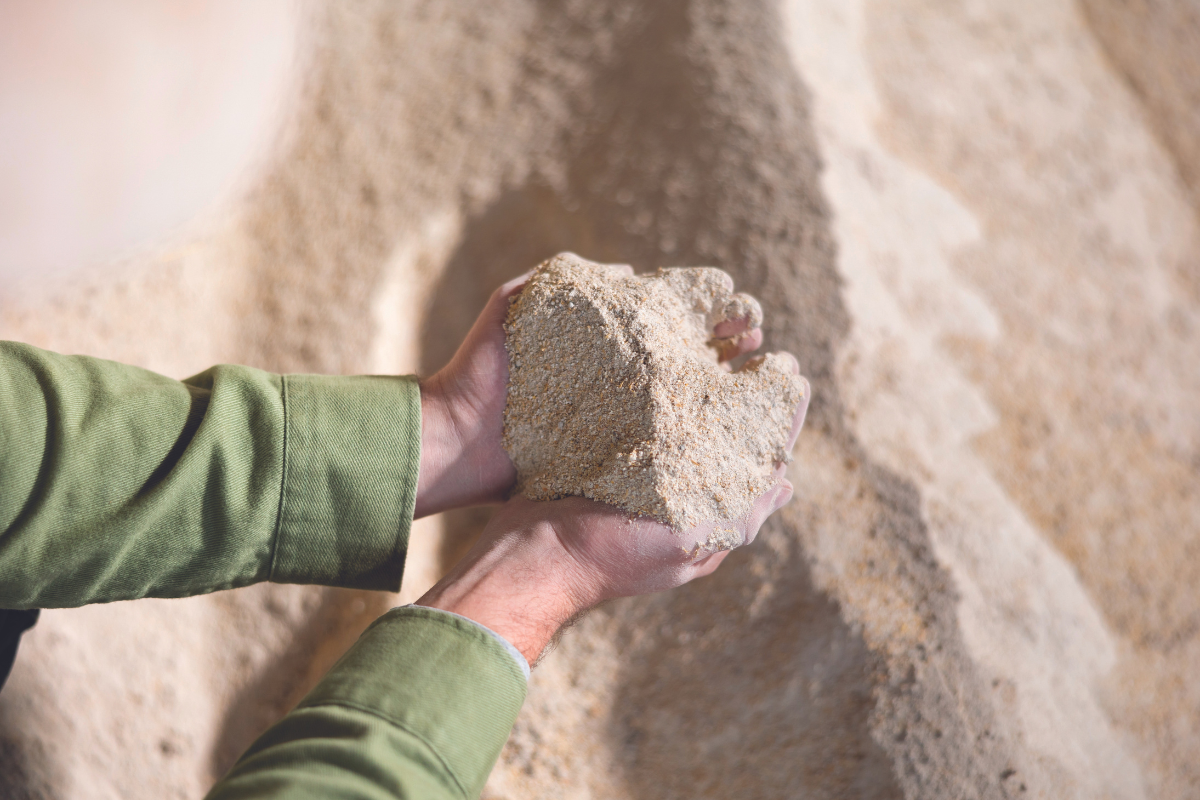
<point>615,393</point>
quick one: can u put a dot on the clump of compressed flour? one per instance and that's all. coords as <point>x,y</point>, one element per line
<point>615,393</point>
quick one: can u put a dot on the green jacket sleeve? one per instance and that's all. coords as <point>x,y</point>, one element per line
<point>419,708</point>
<point>117,483</point>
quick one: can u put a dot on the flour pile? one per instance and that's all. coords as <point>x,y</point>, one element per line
<point>616,394</point>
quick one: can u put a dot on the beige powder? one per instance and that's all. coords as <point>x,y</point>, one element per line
<point>615,393</point>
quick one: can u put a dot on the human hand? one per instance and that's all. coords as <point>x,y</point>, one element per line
<point>540,564</point>
<point>463,461</point>
<point>462,418</point>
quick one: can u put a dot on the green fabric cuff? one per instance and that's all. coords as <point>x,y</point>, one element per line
<point>442,679</point>
<point>352,448</point>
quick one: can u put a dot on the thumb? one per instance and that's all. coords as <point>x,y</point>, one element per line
<point>773,500</point>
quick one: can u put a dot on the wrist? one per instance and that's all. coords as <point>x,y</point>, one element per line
<point>524,586</point>
<point>440,446</point>
<point>463,462</point>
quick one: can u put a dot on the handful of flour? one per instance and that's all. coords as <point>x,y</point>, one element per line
<point>615,393</point>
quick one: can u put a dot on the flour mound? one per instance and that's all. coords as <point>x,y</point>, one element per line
<point>615,393</point>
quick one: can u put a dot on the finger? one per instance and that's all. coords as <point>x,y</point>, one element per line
<point>738,345</point>
<point>709,564</point>
<point>514,286</point>
<point>624,269</point>
<point>765,506</point>
<point>732,327</point>
<point>742,309</point>
<point>795,365</point>
<point>490,323</point>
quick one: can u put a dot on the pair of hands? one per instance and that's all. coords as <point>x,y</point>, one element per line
<point>540,564</point>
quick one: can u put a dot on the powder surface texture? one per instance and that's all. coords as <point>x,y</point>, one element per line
<point>616,394</point>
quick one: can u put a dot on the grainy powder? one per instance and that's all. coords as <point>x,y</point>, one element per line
<point>615,393</point>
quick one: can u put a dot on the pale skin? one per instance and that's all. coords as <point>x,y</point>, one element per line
<point>539,565</point>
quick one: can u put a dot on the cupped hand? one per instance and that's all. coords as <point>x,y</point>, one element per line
<point>463,461</point>
<point>611,554</point>
<point>619,555</point>
<point>540,564</point>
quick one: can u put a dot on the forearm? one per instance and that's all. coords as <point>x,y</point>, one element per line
<point>117,483</point>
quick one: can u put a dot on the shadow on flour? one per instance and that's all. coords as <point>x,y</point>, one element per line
<point>695,147</point>
<point>762,690</point>
<point>758,696</point>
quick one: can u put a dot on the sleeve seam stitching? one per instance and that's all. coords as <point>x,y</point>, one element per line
<point>283,483</point>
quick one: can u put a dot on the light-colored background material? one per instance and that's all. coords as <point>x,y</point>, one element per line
<point>974,223</point>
